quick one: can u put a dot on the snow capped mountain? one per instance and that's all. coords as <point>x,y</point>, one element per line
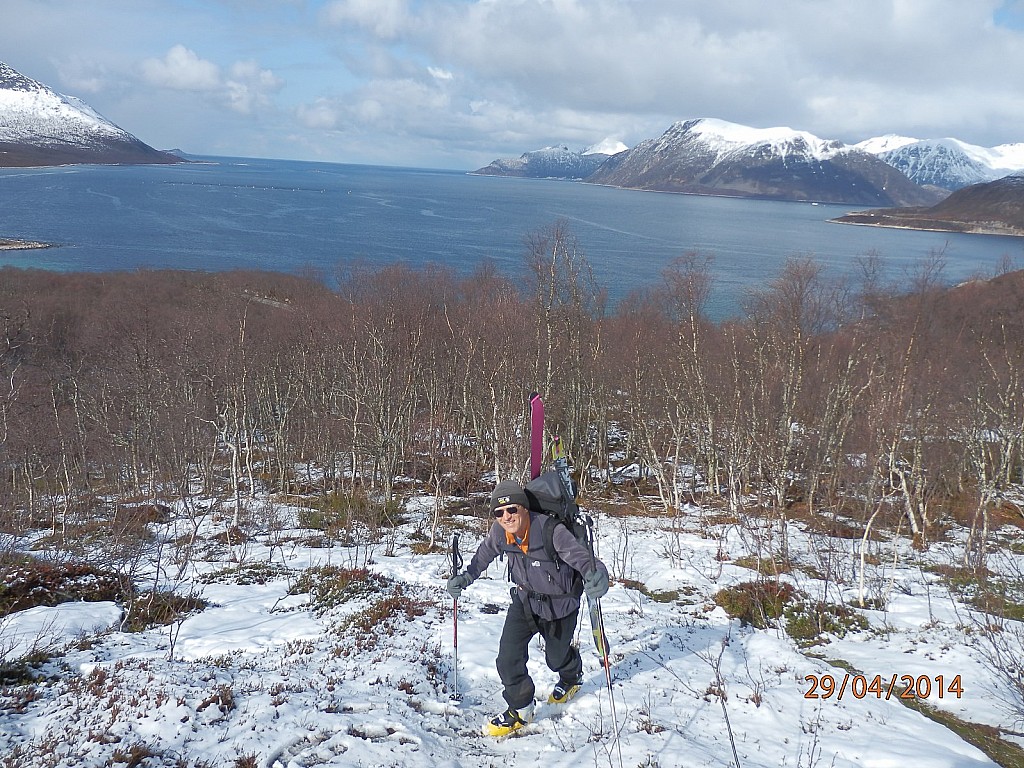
<point>558,162</point>
<point>711,156</point>
<point>708,156</point>
<point>727,138</point>
<point>947,163</point>
<point>41,127</point>
<point>1009,156</point>
<point>887,143</point>
<point>608,147</point>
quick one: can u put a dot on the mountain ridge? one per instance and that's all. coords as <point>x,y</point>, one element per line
<point>947,163</point>
<point>40,127</point>
<point>716,157</point>
<point>556,162</point>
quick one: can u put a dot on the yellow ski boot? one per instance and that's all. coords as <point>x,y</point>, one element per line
<point>564,691</point>
<point>508,721</point>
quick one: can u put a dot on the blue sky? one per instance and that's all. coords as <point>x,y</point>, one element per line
<point>1010,14</point>
<point>457,83</point>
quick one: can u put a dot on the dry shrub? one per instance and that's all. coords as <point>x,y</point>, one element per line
<point>828,522</point>
<point>134,755</point>
<point>329,586</point>
<point>759,603</point>
<point>365,628</point>
<point>807,621</point>
<point>247,573</point>
<point>223,698</point>
<point>766,566</point>
<point>27,582</point>
<point>157,608</point>
<point>341,515</point>
<point>231,536</point>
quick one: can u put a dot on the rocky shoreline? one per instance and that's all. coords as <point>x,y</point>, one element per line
<point>897,221</point>
<point>7,244</point>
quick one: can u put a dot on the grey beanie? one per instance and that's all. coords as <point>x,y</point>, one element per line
<point>508,492</point>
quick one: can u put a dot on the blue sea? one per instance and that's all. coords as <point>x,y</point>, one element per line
<point>228,213</point>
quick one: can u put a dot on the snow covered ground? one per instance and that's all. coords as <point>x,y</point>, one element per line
<point>269,676</point>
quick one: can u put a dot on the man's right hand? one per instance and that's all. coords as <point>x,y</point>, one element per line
<point>458,583</point>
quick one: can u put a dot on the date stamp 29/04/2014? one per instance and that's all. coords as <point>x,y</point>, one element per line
<point>899,686</point>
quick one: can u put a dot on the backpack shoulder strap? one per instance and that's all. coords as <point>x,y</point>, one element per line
<point>549,540</point>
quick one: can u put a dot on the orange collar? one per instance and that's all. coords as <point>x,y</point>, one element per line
<point>525,545</point>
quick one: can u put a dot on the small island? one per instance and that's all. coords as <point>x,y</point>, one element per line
<point>7,244</point>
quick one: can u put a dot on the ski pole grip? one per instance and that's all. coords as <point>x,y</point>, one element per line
<point>456,557</point>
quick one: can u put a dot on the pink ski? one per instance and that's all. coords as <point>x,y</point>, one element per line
<point>536,435</point>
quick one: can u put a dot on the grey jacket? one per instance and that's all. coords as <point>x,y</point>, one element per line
<point>552,589</point>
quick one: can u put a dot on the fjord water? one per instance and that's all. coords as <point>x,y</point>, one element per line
<point>227,213</point>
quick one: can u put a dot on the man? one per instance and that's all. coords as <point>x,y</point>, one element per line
<point>546,600</point>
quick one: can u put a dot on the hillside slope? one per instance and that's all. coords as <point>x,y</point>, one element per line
<point>40,127</point>
<point>991,208</point>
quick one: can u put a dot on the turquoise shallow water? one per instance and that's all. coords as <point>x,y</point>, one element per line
<point>227,213</point>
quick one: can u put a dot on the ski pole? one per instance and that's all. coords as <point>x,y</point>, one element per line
<point>456,567</point>
<point>561,462</point>
<point>600,638</point>
<point>597,617</point>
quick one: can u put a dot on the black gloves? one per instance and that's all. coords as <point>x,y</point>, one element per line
<point>595,584</point>
<point>462,580</point>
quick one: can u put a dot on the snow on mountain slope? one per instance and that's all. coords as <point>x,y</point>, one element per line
<point>945,163</point>
<point>1010,156</point>
<point>557,162</point>
<point>715,157</point>
<point>887,143</point>
<point>948,163</point>
<point>31,112</point>
<point>607,147</point>
<point>39,126</point>
<point>726,138</point>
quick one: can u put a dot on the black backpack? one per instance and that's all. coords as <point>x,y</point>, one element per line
<point>547,496</point>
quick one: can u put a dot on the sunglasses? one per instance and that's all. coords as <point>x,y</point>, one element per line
<point>500,511</point>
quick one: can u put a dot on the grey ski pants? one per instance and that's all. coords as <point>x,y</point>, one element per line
<point>513,651</point>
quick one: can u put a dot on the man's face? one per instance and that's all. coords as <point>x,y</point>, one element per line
<point>513,518</point>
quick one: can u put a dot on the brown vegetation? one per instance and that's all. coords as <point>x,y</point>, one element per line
<point>822,400</point>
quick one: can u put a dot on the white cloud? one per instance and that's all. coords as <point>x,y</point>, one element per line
<point>609,66</point>
<point>322,114</point>
<point>80,76</point>
<point>245,88</point>
<point>468,80</point>
<point>249,87</point>
<point>386,19</point>
<point>400,105</point>
<point>182,70</point>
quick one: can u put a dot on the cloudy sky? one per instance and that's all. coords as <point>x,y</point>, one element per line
<point>457,83</point>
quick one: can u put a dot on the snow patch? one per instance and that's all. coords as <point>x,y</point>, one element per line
<point>51,630</point>
<point>31,113</point>
<point>728,137</point>
<point>608,147</point>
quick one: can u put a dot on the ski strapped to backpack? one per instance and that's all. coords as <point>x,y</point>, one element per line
<point>536,435</point>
